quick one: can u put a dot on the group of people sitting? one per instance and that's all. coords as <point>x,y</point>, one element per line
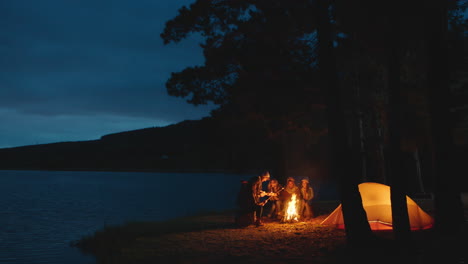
<point>252,199</point>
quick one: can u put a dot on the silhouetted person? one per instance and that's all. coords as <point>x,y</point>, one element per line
<point>244,211</point>
<point>249,204</point>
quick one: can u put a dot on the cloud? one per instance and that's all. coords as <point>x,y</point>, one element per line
<point>98,59</point>
<point>20,129</point>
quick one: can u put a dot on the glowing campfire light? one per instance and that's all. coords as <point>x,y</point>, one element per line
<point>291,210</point>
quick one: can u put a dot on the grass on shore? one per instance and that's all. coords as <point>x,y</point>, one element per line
<point>212,237</point>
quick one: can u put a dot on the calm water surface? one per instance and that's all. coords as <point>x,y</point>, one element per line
<point>41,212</point>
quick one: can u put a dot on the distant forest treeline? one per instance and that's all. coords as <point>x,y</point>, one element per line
<point>201,145</point>
<point>206,145</point>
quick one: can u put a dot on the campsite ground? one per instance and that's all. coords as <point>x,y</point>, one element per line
<point>213,238</point>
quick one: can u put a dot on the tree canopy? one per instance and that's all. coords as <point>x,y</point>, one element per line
<point>259,55</point>
<point>368,63</point>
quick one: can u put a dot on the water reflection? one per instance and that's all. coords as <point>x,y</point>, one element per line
<point>41,213</point>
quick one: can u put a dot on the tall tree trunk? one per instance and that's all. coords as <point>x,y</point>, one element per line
<point>278,168</point>
<point>357,127</point>
<point>417,161</point>
<point>381,159</point>
<point>401,227</point>
<point>356,225</point>
<point>362,146</point>
<point>447,199</point>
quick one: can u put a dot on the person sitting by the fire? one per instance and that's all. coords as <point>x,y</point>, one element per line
<point>307,194</point>
<point>244,211</point>
<point>274,189</point>
<point>256,193</point>
<point>288,192</point>
<point>249,204</point>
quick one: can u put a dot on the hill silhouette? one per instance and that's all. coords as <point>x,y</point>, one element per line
<point>191,145</point>
<point>206,145</point>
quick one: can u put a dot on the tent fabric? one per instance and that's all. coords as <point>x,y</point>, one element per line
<point>377,204</point>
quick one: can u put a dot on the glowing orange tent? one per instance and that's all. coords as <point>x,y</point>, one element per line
<point>377,204</point>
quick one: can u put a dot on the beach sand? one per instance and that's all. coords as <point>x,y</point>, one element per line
<point>214,238</point>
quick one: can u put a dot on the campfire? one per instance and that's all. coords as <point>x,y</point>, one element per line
<point>291,213</point>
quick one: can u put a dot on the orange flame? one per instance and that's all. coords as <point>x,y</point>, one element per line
<point>291,210</point>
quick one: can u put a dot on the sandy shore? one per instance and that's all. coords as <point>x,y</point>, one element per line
<point>214,238</point>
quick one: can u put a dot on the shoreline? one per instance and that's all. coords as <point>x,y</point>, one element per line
<point>209,238</point>
<point>126,170</point>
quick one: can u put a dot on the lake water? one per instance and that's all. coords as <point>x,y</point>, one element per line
<point>41,212</point>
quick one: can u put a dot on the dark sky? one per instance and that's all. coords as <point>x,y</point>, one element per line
<point>78,69</point>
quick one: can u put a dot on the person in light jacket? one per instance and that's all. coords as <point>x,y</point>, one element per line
<point>307,194</point>
<point>274,188</point>
<point>286,195</point>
